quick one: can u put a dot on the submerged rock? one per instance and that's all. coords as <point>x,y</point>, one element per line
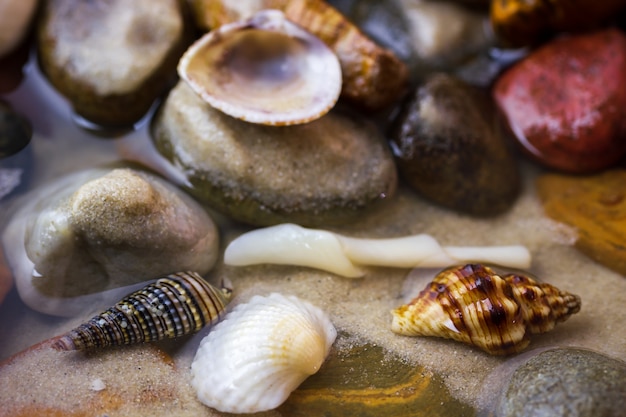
<point>566,382</point>
<point>111,59</point>
<point>450,148</point>
<point>361,379</point>
<point>326,171</point>
<point>102,229</point>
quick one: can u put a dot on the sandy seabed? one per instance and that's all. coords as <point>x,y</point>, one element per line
<point>359,308</point>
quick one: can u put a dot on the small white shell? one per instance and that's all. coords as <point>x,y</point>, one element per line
<point>260,353</point>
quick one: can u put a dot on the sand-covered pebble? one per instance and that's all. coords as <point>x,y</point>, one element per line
<point>101,229</point>
<point>328,171</point>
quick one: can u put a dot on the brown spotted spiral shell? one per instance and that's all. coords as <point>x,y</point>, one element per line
<point>474,305</point>
<point>169,307</point>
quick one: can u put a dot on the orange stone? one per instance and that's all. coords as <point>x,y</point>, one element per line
<point>596,207</point>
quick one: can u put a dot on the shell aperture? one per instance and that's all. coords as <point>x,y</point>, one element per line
<point>169,307</point>
<point>474,305</point>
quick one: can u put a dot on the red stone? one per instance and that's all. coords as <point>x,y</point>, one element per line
<point>566,102</point>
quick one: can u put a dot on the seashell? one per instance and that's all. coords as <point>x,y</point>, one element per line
<point>373,76</point>
<point>172,306</point>
<point>260,353</point>
<point>264,70</point>
<point>291,244</point>
<point>474,305</point>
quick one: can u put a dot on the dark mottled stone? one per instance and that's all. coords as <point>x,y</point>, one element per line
<point>450,148</point>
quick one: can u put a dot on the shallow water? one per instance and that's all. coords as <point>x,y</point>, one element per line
<point>359,307</point>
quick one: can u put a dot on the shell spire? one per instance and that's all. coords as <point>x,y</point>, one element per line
<point>169,307</point>
<point>474,305</point>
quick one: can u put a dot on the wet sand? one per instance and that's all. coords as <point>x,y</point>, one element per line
<point>359,308</point>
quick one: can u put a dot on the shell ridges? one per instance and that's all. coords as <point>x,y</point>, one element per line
<point>474,305</point>
<point>260,353</point>
<point>169,307</point>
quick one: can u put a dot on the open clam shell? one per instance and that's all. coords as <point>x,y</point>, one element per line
<point>264,70</point>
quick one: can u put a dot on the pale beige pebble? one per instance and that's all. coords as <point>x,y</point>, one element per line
<point>99,46</point>
<point>96,230</point>
<point>15,18</point>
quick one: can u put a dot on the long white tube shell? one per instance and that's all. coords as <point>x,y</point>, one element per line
<point>290,244</point>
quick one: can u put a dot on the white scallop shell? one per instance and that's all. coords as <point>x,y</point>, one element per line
<point>260,353</point>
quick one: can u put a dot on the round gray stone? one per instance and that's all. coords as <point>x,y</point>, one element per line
<point>566,382</point>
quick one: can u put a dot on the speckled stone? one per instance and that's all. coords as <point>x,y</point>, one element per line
<point>566,382</point>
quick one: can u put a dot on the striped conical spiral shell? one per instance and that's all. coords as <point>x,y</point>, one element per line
<point>172,306</point>
<point>474,305</point>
